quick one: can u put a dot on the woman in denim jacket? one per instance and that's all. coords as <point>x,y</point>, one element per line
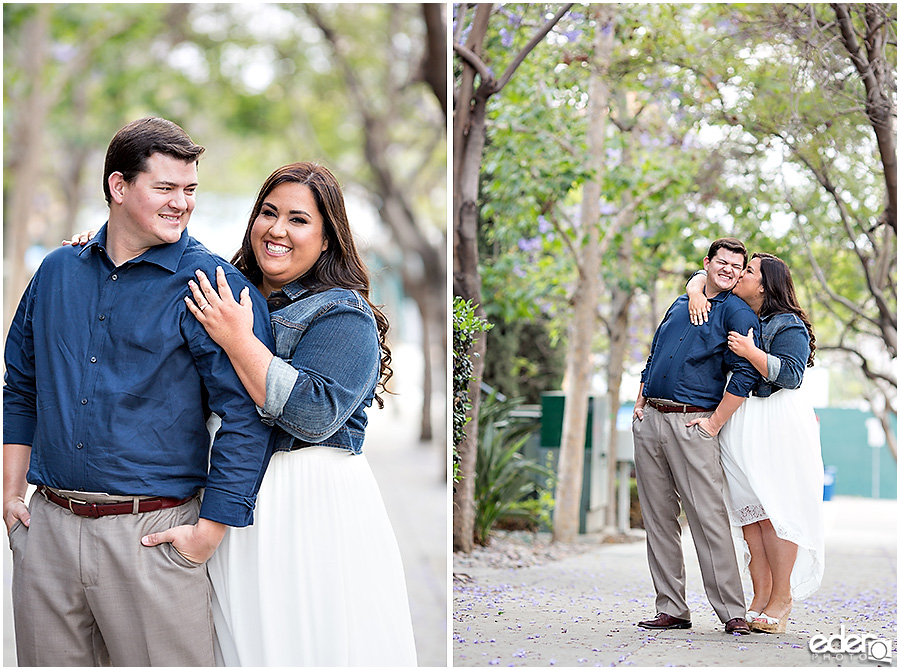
<point>317,580</point>
<point>771,452</point>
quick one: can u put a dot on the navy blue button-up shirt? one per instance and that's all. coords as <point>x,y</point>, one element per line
<point>111,380</point>
<point>690,364</point>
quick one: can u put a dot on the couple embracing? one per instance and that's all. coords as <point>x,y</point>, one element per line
<point>146,545</point>
<point>722,431</point>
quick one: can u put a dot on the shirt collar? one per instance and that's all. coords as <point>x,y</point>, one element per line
<point>720,296</point>
<point>166,256</point>
<point>294,289</point>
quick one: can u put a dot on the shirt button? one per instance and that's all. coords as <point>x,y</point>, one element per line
<point>84,401</point>
<point>93,359</point>
<point>114,277</point>
<point>79,445</point>
<point>102,317</point>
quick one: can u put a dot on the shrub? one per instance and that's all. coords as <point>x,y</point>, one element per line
<point>506,483</point>
<point>466,325</point>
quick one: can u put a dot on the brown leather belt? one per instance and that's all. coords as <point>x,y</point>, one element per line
<point>138,506</point>
<point>683,409</point>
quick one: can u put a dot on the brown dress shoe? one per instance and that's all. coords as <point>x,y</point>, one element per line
<point>737,626</point>
<point>665,621</point>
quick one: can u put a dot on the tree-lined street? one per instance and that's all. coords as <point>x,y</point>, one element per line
<point>620,140</point>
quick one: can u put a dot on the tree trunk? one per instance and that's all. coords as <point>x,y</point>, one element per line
<point>469,127</point>
<point>76,153</point>
<point>26,168</point>
<point>469,138</point>
<point>618,343</point>
<point>425,429</point>
<point>617,325</point>
<point>394,206</point>
<point>586,298</point>
<point>420,292</point>
<point>870,66</point>
<point>434,62</point>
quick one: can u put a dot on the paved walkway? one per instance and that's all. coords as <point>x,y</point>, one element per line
<point>581,611</point>
<point>412,480</point>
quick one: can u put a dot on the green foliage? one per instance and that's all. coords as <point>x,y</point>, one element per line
<point>521,361</point>
<point>466,325</point>
<point>506,483</point>
<point>254,83</point>
<point>739,105</point>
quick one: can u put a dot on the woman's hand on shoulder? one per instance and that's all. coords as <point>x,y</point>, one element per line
<point>698,308</point>
<point>227,321</point>
<point>742,345</point>
<point>80,239</point>
<point>698,305</point>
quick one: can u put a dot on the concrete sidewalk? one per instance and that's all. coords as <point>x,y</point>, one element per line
<point>581,611</point>
<point>412,479</point>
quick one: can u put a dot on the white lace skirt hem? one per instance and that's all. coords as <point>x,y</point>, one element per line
<point>772,459</point>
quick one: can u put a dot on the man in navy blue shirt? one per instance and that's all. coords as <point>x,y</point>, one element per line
<point>109,386</point>
<point>685,398</point>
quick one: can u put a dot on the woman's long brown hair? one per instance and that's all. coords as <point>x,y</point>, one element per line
<point>340,265</point>
<point>779,295</point>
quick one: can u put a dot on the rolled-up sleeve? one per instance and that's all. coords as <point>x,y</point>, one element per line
<point>787,357</point>
<point>243,444</point>
<point>280,381</point>
<point>20,386</point>
<point>773,367</point>
<point>744,376</point>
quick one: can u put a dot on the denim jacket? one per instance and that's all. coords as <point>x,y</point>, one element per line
<point>786,342</point>
<point>327,363</point>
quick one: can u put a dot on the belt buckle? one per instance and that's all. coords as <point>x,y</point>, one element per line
<point>94,512</point>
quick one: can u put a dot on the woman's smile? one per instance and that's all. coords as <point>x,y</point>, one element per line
<point>288,235</point>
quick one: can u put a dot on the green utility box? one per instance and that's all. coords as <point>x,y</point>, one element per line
<point>553,404</point>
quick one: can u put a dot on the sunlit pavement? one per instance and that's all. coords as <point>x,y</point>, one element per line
<point>582,611</point>
<point>411,477</point>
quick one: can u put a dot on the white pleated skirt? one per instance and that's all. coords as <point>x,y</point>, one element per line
<point>317,580</point>
<point>772,459</point>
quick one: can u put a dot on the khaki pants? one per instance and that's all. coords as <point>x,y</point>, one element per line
<point>87,593</point>
<point>674,463</point>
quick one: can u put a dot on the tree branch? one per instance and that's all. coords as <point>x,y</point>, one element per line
<point>532,43</point>
<point>473,60</point>
<point>864,364</point>
<point>549,209</point>
<point>817,269</point>
<point>434,60</point>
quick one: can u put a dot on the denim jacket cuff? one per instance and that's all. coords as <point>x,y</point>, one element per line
<point>280,380</point>
<point>773,367</point>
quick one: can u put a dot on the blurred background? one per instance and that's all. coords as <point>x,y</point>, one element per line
<point>361,89</point>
